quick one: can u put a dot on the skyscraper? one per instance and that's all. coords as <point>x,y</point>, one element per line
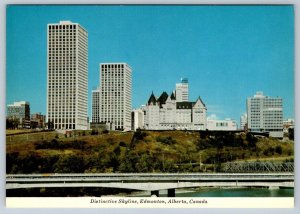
<point>96,105</point>
<point>67,75</point>
<point>265,114</point>
<point>115,95</point>
<point>182,90</point>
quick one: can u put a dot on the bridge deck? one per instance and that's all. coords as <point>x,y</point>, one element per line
<point>149,181</point>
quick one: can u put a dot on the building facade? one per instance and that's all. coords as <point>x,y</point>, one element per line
<point>67,76</point>
<point>167,113</point>
<point>116,95</point>
<point>137,119</point>
<point>288,124</point>
<point>243,122</point>
<point>182,90</point>
<point>20,113</point>
<point>265,114</point>
<point>39,120</point>
<point>221,125</point>
<point>96,105</point>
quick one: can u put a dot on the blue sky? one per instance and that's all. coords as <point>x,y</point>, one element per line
<point>227,52</point>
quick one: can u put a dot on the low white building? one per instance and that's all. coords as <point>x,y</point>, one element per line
<point>288,124</point>
<point>137,119</point>
<point>221,125</point>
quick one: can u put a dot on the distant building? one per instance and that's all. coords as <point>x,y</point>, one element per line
<point>115,95</point>
<point>221,125</point>
<point>67,76</point>
<point>243,121</point>
<point>96,105</point>
<point>288,124</point>
<point>39,120</point>
<point>137,119</point>
<point>19,112</point>
<point>167,113</point>
<point>182,90</point>
<point>265,114</point>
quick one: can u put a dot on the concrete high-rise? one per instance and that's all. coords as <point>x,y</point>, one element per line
<point>182,90</point>
<point>115,95</point>
<point>265,114</point>
<point>67,75</point>
<point>96,105</point>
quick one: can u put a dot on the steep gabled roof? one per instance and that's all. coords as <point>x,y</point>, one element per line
<point>163,98</point>
<point>152,99</point>
<point>173,96</point>
<point>200,101</point>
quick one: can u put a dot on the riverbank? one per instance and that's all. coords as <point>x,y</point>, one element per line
<point>218,192</point>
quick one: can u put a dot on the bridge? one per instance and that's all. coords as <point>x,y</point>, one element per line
<point>153,182</point>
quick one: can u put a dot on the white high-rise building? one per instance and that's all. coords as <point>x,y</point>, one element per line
<point>115,95</point>
<point>265,114</point>
<point>67,75</point>
<point>182,90</point>
<point>96,105</point>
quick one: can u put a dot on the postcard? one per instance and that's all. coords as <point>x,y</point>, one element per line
<point>146,106</point>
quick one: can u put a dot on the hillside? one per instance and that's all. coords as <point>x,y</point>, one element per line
<point>142,151</point>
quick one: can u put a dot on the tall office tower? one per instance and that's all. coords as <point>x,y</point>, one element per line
<point>182,90</point>
<point>67,76</point>
<point>265,114</point>
<point>115,95</point>
<point>96,105</point>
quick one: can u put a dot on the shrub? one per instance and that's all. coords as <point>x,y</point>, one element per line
<point>105,131</point>
<point>69,164</point>
<point>139,135</point>
<point>166,140</point>
<point>278,150</point>
<point>94,132</point>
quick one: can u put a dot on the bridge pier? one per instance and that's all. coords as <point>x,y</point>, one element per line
<point>155,192</point>
<point>171,192</point>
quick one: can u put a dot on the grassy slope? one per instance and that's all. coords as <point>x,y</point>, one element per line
<point>183,149</point>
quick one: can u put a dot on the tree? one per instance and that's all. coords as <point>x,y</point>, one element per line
<point>69,164</point>
<point>251,139</point>
<point>278,150</point>
<point>291,133</point>
<point>50,125</point>
<point>9,124</point>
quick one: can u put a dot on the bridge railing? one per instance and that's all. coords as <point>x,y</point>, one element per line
<point>146,177</point>
<point>258,167</point>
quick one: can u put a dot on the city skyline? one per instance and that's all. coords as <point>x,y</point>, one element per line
<point>227,52</point>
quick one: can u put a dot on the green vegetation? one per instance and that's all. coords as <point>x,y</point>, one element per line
<point>141,151</point>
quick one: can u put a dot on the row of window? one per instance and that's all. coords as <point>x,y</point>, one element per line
<point>64,126</point>
<point>52,27</point>
<point>112,66</point>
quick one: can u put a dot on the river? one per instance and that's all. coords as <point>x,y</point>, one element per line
<point>225,192</point>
